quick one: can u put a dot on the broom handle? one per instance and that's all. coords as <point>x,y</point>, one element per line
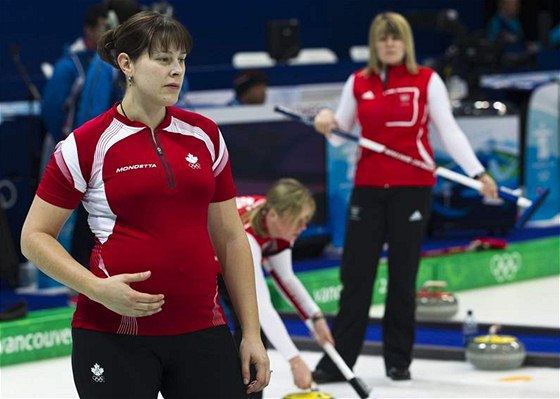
<point>334,355</point>
<point>359,386</point>
<point>503,192</point>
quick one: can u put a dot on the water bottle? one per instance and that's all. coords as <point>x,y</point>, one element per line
<point>470,328</point>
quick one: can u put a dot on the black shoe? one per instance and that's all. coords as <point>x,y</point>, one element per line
<point>323,377</point>
<point>397,374</point>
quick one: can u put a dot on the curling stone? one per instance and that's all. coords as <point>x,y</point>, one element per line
<point>313,394</point>
<point>495,352</point>
<point>434,303</point>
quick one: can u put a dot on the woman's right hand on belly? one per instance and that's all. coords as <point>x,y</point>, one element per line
<point>116,294</point>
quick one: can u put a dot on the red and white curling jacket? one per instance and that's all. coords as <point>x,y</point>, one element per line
<point>395,109</point>
<point>147,194</point>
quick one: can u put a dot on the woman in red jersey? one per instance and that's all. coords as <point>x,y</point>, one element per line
<point>272,224</point>
<point>393,100</point>
<point>156,182</point>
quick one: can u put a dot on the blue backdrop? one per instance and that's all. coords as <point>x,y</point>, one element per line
<point>40,28</point>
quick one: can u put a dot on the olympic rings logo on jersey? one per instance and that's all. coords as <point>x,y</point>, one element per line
<point>192,161</point>
<point>504,267</point>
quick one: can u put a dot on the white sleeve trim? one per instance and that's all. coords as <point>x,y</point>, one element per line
<point>270,320</point>
<point>222,158</point>
<point>345,114</point>
<point>69,150</point>
<point>452,137</point>
<point>281,264</point>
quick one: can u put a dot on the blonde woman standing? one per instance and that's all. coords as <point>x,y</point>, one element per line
<point>394,100</point>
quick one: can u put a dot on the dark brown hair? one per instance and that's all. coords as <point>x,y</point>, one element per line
<point>146,30</point>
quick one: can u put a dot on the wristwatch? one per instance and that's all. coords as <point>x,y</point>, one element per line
<point>479,175</point>
<point>316,318</point>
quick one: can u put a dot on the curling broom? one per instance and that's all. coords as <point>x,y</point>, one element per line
<point>530,207</point>
<point>359,386</point>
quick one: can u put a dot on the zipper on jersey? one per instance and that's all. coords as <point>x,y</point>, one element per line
<point>169,176</point>
<point>385,79</point>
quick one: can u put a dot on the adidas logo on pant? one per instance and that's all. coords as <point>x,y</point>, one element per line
<point>415,217</point>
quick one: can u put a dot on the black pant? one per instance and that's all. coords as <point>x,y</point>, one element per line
<point>202,364</point>
<point>398,216</point>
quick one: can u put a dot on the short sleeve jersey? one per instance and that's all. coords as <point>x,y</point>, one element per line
<point>147,193</point>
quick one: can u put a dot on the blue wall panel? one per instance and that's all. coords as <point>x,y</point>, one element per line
<point>219,28</point>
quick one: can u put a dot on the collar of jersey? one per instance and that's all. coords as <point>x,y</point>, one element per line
<point>121,118</point>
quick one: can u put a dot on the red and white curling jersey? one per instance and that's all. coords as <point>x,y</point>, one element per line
<point>147,194</point>
<point>396,109</point>
<point>275,255</point>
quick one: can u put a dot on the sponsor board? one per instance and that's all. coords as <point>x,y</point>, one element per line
<point>542,151</point>
<point>42,334</point>
<point>463,271</point>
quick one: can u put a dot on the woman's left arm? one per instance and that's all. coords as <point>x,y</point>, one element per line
<point>232,248</point>
<point>453,138</point>
<point>292,288</point>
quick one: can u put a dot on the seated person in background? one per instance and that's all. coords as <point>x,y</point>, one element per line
<point>504,24</point>
<point>62,91</point>
<point>272,224</point>
<point>505,27</point>
<point>250,88</point>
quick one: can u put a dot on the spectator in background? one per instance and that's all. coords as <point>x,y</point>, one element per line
<point>504,24</point>
<point>554,37</point>
<point>504,28</point>
<point>250,88</point>
<point>62,91</point>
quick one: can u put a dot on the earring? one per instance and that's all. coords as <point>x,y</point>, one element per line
<point>130,80</point>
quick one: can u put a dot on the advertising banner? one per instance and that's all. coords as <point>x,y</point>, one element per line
<point>542,147</point>
<point>495,140</point>
<point>463,271</point>
<point>43,334</point>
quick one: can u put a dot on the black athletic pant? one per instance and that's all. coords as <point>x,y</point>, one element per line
<point>202,364</point>
<point>398,216</point>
